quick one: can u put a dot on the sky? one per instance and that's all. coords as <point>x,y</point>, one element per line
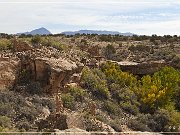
<point>143,17</point>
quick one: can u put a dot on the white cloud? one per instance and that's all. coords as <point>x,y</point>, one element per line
<point>136,16</point>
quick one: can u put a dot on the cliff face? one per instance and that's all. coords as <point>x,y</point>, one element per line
<point>42,65</point>
<point>52,73</point>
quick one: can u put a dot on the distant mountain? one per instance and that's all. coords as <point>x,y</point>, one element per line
<point>99,32</point>
<point>40,31</point>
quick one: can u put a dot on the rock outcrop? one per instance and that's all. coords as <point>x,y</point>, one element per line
<point>20,46</point>
<point>52,73</point>
<point>46,66</point>
<point>8,72</point>
<point>141,68</point>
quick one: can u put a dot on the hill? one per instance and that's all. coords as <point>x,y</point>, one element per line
<point>39,31</point>
<point>99,32</point>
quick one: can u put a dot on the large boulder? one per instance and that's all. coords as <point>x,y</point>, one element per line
<point>141,68</point>
<point>52,73</point>
<point>8,72</point>
<point>56,72</point>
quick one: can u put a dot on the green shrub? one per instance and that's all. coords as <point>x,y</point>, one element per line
<point>6,109</point>
<point>162,119</point>
<point>175,121</point>
<point>15,106</point>
<point>147,119</point>
<point>68,100</point>
<point>123,94</point>
<point>95,84</point>
<point>5,44</point>
<point>36,39</point>
<point>115,75</point>
<point>112,108</point>
<point>138,126</point>
<point>160,89</point>
<point>109,51</point>
<point>23,125</point>
<point>128,107</point>
<point>3,129</point>
<point>5,122</point>
<point>172,119</point>
<point>115,124</point>
<point>48,41</point>
<point>78,93</point>
<point>141,48</point>
<point>101,90</point>
<point>99,73</point>
<point>59,46</point>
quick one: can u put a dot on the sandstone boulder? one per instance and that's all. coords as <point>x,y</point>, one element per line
<point>8,73</point>
<point>141,68</point>
<point>52,73</point>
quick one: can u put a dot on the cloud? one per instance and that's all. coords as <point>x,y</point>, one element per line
<point>138,16</point>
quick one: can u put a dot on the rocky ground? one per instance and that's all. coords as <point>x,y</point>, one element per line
<point>35,77</point>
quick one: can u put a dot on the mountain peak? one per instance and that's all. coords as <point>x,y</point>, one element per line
<point>38,31</point>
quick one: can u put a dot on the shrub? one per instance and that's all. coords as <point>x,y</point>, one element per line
<point>3,129</point>
<point>123,94</point>
<point>109,51</point>
<point>5,44</point>
<point>68,100</point>
<point>112,108</point>
<point>99,73</point>
<point>138,126</point>
<point>36,39</point>
<point>175,121</point>
<point>95,84</point>
<point>6,109</point>
<point>174,118</point>
<point>48,41</point>
<point>115,75</point>
<point>78,93</point>
<point>24,76</point>
<point>162,119</point>
<point>49,103</point>
<point>128,107</point>
<point>148,120</point>
<point>34,88</point>
<point>141,48</point>
<point>160,89</point>
<point>15,106</point>
<point>23,125</point>
<point>91,125</point>
<point>115,124</point>
<point>101,90</point>
<point>59,46</point>
<point>5,122</point>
